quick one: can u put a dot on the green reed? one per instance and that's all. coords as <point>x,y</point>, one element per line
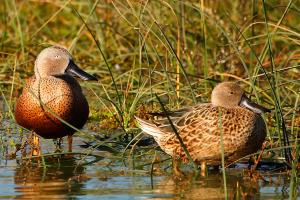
<point>143,48</point>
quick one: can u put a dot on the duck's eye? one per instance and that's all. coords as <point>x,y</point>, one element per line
<point>231,92</point>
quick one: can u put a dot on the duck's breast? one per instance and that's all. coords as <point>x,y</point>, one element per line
<point>46,103</point>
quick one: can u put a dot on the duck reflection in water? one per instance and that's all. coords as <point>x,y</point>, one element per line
<point>60,177</point>
<point>211,187</point>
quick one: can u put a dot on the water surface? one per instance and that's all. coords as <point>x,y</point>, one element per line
<point>67,177</point>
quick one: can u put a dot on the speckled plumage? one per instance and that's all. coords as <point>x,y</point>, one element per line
<point>200,128</point>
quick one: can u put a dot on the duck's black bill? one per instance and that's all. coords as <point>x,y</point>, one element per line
<point>74,70</point>
<point>245,101</point>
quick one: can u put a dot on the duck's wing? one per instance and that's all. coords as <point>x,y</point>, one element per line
<point>163,126</point>
<point>175,113</point>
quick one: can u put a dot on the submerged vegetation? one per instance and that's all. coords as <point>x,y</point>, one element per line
<point>177,50</point>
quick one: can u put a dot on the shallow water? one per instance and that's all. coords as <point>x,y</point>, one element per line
<point>64,178</point>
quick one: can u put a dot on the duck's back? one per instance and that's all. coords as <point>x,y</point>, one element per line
<point>45,104</point>
<point>201,128</point>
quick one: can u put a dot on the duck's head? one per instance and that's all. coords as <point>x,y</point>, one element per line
<point>56,60</point>
<point>230,95</point>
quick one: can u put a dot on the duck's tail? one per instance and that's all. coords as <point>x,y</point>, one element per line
<point>149,127</point>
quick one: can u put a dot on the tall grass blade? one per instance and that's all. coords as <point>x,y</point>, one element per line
<point>179,61</point>
<point>178,136</point>
<point>286,142</point>
<point>222,154</point>
<point>102,53</point>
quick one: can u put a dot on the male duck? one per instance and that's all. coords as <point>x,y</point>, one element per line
<point>52,97</point>
<point>230,113</point>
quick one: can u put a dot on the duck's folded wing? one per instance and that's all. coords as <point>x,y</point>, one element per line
<point>175,113</point>
<point>163,124</point>
<point>151,128</point>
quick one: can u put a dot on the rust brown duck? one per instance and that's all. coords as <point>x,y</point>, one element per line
<point>230,113</point>
<point>52,98</point>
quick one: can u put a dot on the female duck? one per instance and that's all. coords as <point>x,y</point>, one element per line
<point>52,99</point>
<point>230,113</point>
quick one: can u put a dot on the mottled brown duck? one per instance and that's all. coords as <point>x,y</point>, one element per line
<point>230,114</point>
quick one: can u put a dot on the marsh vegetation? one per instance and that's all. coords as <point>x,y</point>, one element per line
<point>140,50</point>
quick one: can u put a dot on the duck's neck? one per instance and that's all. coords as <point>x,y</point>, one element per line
<point>217,103</point>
